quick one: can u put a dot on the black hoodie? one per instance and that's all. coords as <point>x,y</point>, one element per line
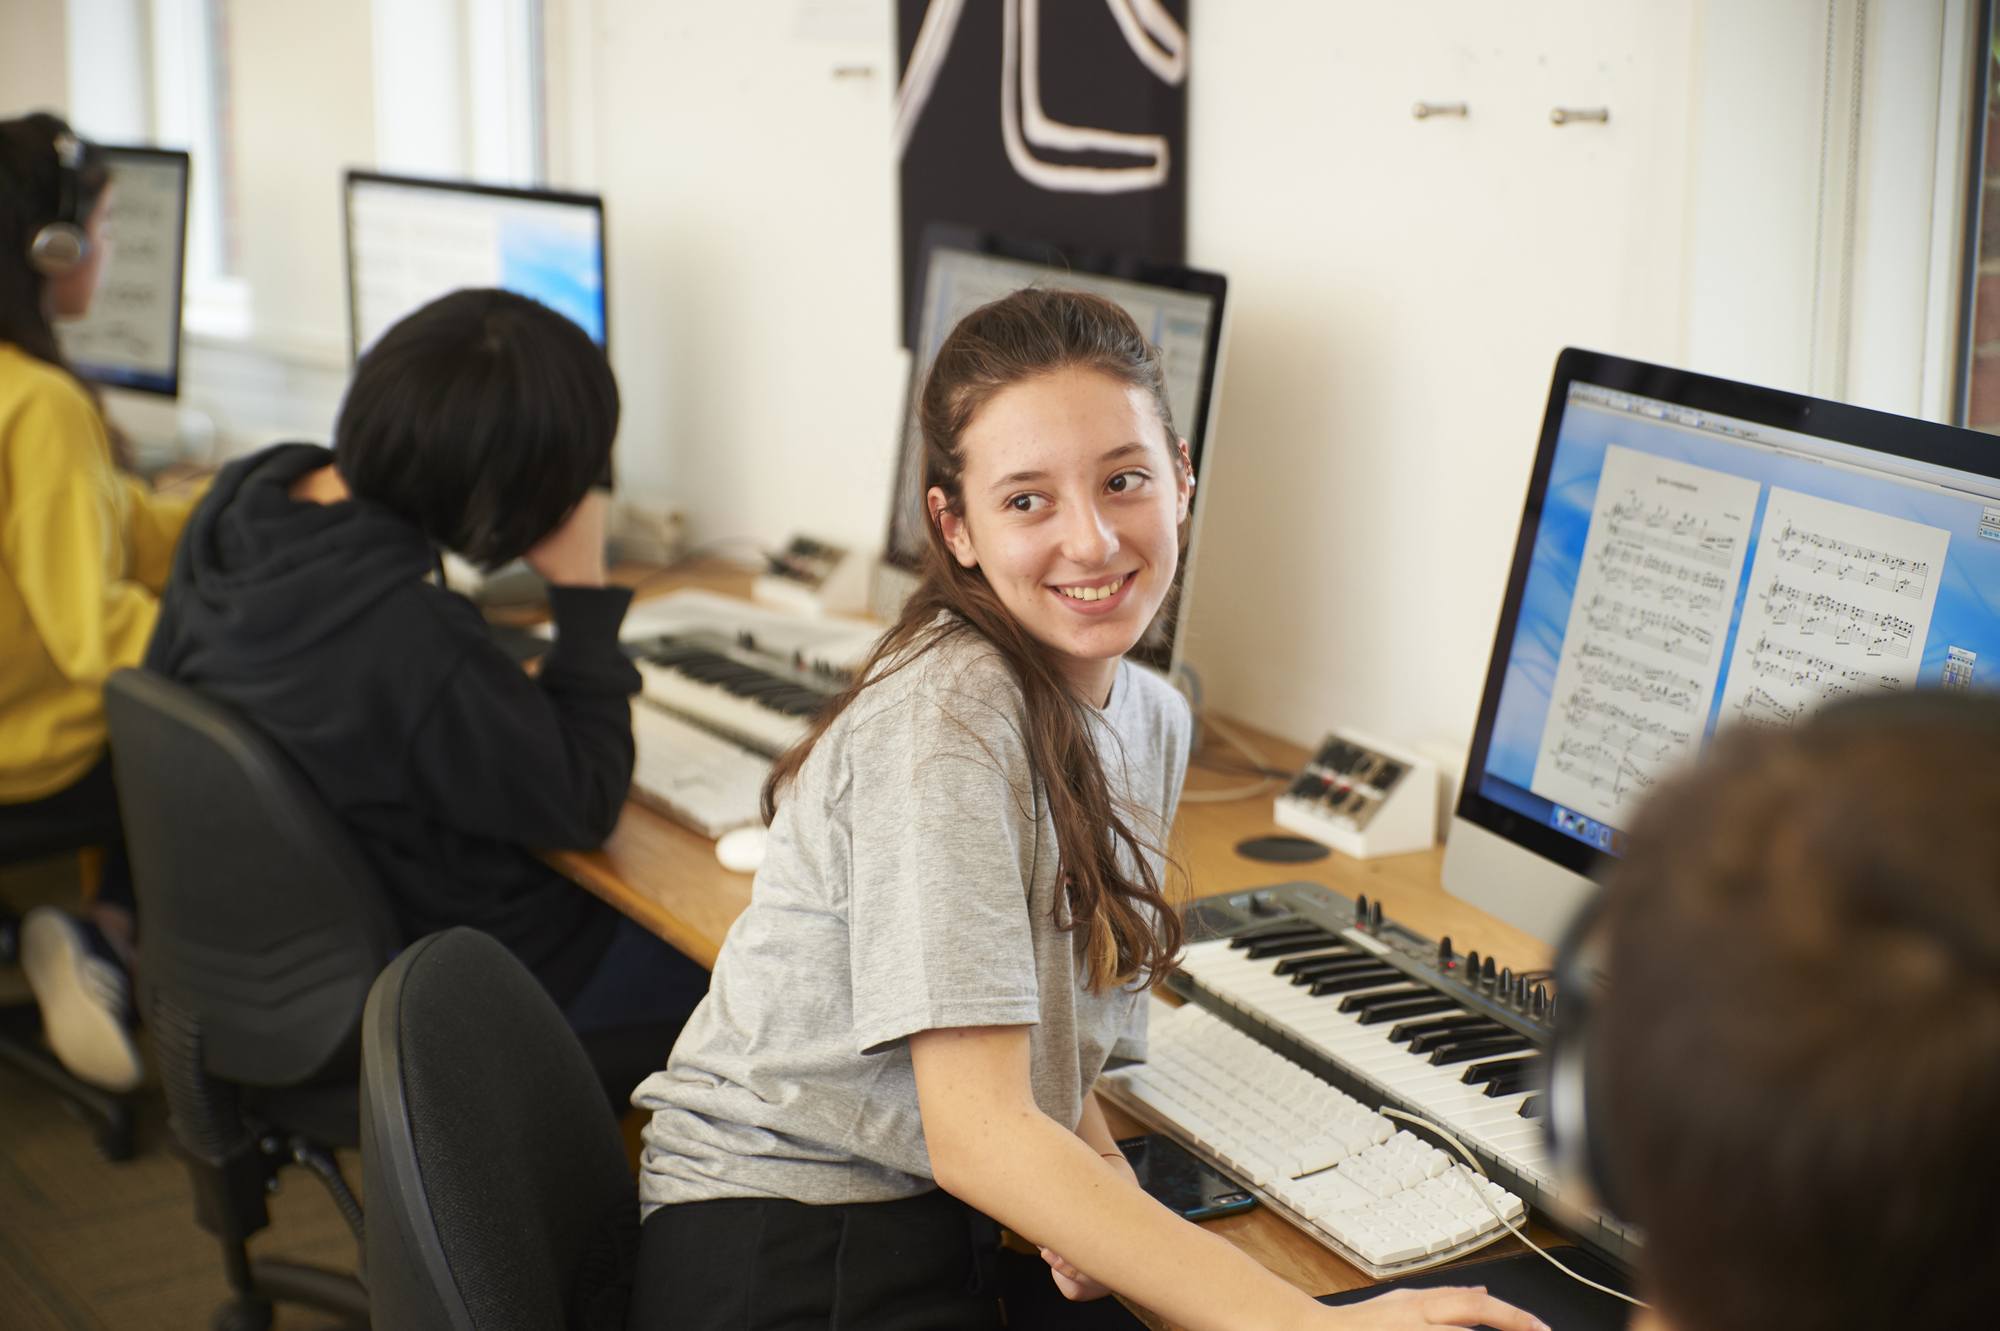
<point>318,624</point>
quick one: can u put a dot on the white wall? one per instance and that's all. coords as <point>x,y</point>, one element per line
<point>303,109</point>
<point>1399,289</point>
<point>30,80</point>
<point>750,201</point>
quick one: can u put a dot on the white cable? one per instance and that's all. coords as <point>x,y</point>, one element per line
<point>1227,794</point>
<point>1236,741</point>
<point>1512,1228</point>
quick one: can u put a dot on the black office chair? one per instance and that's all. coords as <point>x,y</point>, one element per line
<point>110,1114</point>
<point>260,930</point>
<point>498,1192</point>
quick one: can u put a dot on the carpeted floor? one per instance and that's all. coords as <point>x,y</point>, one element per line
<point>85,1244</point>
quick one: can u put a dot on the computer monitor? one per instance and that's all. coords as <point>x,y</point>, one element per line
<point>132,336</point>
<point>410,241</point>
<point>1696,554</point>
<point>1179,309</point>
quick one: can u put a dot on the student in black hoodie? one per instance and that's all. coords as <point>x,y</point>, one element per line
<point>305,597</point>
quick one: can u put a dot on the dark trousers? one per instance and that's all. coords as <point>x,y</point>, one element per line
<point>925,1263</point>
<point>84,813</point>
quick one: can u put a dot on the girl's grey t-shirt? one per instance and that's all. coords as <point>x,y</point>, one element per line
<point>909,884</point>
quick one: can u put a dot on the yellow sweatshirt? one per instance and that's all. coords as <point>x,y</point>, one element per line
<point>84,552</point>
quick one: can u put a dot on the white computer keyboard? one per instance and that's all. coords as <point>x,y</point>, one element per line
<point>1383,1198</point>
<point>694,775</point>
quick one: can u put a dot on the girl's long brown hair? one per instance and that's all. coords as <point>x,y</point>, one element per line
<point>1129,928</point>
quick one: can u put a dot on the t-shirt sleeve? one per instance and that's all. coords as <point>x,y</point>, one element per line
<point>941,816</point>
<point>1131,1041</point>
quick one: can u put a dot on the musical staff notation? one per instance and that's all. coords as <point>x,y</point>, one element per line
<point>1661,630</point>
<point>1841,598</point>
<point>1617,673</point>
<point>1647,576</point>
<point>1657,583</point>
<point>1685,534</point>
<point>1844,561</point>
<point>1878,632</point>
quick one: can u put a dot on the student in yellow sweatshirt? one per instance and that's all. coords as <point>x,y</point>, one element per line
<point>84,550</point>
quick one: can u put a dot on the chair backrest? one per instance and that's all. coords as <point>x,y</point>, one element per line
<point>498,1191</point>
<point>258,916</point>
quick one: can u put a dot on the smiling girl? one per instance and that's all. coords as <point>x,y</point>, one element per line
<point>960,913</point>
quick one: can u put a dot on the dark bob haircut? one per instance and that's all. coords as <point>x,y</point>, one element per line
<point>483,418</point>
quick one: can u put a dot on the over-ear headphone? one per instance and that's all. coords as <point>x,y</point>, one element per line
<point>1576,1147</point>
<point>60,246</point>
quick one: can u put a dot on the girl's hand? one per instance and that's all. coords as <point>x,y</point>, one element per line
<point>1411,1309</point>
<point>573,554</point>
<point>1074,1284</point>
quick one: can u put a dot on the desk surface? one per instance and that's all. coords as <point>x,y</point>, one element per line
<point>666,877</point>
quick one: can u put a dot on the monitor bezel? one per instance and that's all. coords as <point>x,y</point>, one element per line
<point>169,385</point>
<point>357,176</point>
<point>1057,258</point>
<point>1836,422</point>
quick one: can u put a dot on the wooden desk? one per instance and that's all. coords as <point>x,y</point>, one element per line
<point>666,877</point>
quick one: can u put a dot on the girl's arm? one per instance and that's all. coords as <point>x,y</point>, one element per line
<point>992,1148</point>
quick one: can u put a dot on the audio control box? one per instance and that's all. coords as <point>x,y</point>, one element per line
<point>1362,797</point>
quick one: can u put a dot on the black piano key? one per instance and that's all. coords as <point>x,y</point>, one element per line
<point>1289,929</point>
<point>1431,1040</point>
<point>1335,948</point>
<point>1284,947</point>
<point>1410,1030</point>
<point>1532,1107</point>
<point>1466,1050</point>
<point>1363,1002</point>
<point>1496,1067</point>
<point>1414,1007</point>
<point>1508,1083</point>
<point>1305,969</point>
<point>1350,981</point>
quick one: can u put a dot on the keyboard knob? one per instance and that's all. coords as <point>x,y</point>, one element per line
<point>1361,912</point>
<point>1375,917</point>
<point>1506,983</point>
<point>1472,967</point>
<point>1444,951</point>
<point>1486,972</point>
<point>1540,999</point>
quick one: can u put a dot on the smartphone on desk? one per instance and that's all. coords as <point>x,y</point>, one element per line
<point>1182,1182</point>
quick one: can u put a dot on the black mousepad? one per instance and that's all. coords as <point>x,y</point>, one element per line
<point>1526,1281</point>
<point>1282,850</point>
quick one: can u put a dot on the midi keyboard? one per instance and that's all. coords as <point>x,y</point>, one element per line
<point>1385,1017</point>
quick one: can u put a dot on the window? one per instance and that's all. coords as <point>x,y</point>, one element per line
<point>458,89</point>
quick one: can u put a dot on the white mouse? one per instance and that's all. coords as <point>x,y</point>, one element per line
<point>741,850</point>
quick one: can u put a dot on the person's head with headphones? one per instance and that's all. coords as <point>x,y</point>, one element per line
<point>1794,1080</point>
<point>52,247</point>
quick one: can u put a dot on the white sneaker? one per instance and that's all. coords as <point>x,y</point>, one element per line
<point>84,998</point>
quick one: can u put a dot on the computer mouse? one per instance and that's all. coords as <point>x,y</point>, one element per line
<point>741,850</point>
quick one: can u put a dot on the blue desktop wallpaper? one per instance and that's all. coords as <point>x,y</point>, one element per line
<point>560,266</point>
<point>1967,613</point>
